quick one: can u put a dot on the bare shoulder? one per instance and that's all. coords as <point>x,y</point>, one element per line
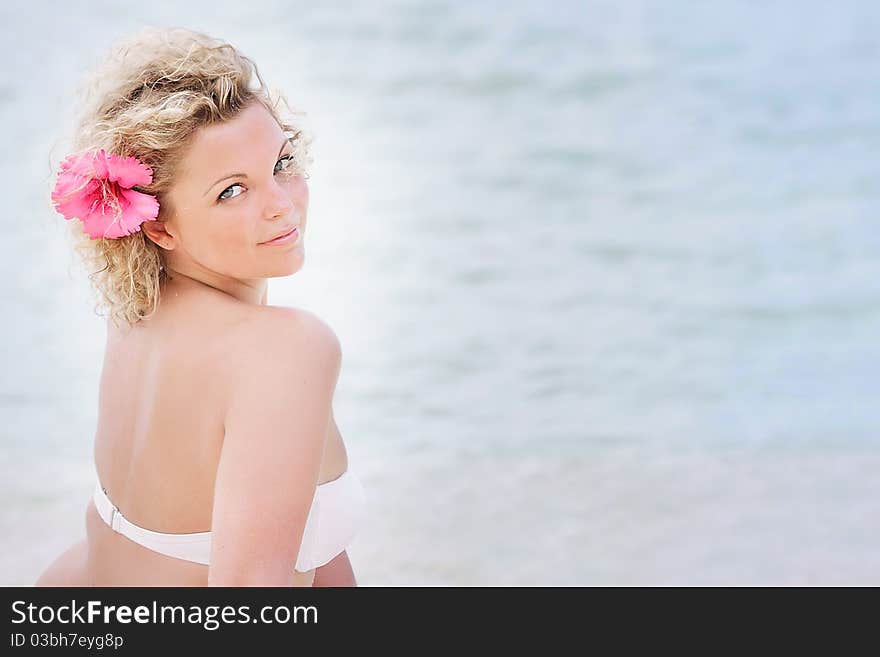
<point>278,330</point>
<point>262,328</point>
<point>278,337</point>
<point>271,342</point>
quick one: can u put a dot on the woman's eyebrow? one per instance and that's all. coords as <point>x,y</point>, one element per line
<point>243,175</point>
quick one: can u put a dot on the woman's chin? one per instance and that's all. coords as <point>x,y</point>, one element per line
<point>289,268</point>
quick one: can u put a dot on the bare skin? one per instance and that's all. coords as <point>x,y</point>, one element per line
<point>164,383</point>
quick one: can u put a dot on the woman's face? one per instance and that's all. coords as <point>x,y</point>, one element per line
<point>237,189</point>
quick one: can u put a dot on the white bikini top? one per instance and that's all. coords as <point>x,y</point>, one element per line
<point>334,519</point>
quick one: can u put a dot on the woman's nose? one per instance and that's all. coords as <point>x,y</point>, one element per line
<point>281,203</point>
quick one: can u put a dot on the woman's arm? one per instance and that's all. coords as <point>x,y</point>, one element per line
<point>274,432</point>
<point>336,572</point>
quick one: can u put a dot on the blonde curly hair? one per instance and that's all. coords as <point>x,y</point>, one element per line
<point>146,99</point>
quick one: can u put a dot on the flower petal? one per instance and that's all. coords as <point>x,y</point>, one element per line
<point>136,209</point>
<point>100,165</point>
<point>75,195</point>
<point>97,220</point>
<point>82,164</point>
<point>127,171</point>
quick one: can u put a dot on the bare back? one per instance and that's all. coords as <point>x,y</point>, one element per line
<point>162,399</point>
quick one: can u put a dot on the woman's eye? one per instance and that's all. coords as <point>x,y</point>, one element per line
<point>226,198</point>
<point>286,158</point>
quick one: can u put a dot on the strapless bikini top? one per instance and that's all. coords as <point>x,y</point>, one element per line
<point>336,514</point>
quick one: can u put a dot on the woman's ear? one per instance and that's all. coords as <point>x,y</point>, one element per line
<point>157,231</point>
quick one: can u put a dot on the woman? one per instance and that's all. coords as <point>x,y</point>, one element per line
<point>218,459</point>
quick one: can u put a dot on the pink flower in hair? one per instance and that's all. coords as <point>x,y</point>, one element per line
<point>96,188</point>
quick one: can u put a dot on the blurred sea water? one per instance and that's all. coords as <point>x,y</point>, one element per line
<point>605,276</point>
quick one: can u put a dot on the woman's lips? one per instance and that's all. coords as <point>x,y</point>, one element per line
<point>292,236</point>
